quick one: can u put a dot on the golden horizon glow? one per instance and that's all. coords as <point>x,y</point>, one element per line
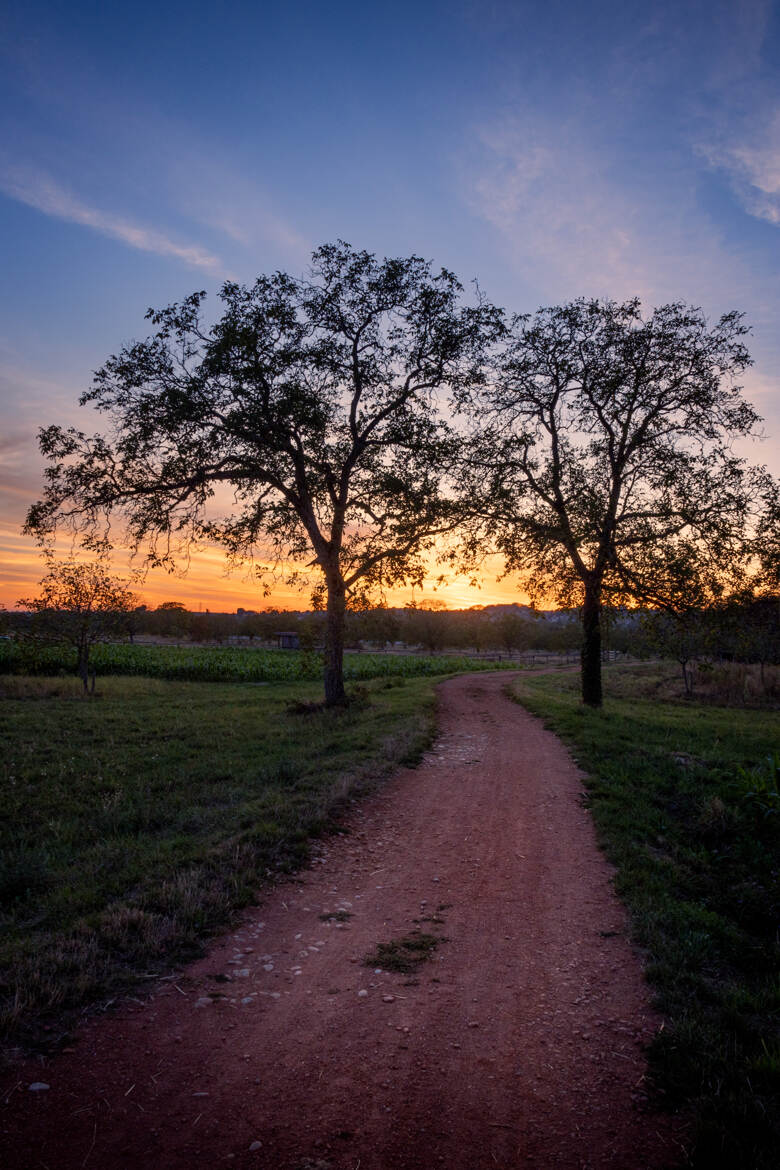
<point>207,585</point>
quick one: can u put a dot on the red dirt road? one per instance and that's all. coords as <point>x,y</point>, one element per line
<point>518,1044</point>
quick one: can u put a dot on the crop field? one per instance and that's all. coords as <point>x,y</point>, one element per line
<point>229,664</point>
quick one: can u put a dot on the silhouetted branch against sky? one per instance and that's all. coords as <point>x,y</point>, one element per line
<point>315,400</point>
<point>601,459</point>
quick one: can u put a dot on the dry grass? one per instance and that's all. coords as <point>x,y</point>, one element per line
<point>727,684</point>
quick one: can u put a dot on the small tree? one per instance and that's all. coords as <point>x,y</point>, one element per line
<point>752,629</point>
<point>135,621</point>
<point>513,632</point>
<point>171,619</point>
<point>312,399</point>
<point>426,624</point>
<point>377,624</point>
<point>603,444</point>
<point>80,604</point>
<point>686,635</point>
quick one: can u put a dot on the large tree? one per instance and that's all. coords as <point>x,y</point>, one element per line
<point>600,457</point>
<point>312,399</point>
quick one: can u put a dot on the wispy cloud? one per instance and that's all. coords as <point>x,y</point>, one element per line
<point>753,166</point>
<point>572,224</point>
<point>577,223</point>
<point>544,193</point>
<point>38,190</point>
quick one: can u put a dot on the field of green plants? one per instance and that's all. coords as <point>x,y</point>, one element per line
<point>226,664</point>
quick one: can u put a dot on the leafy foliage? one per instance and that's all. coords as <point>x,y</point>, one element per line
<point>601,458</point>
<point>80,604</point>
<point>312,399</point>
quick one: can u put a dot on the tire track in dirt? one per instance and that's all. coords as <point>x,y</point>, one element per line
<point>518,1044</point>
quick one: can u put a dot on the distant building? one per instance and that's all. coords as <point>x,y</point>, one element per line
<point>288,640</point>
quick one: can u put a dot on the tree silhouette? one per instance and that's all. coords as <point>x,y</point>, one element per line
<point>313,400</point>
<point>80,604</point>
<point>601,452</point>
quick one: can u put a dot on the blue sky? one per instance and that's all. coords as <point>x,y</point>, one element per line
<point>554,150</point>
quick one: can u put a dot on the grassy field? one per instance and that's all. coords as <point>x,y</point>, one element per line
<point>134,823</point>
<point>686,804</point>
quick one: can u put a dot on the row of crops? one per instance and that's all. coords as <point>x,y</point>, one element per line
<point>224,664</point>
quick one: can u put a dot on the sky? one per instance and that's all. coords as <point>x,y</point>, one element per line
<point>587,148</point>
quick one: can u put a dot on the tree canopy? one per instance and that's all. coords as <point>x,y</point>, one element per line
<point>80,603</point>
<point>312,399</point>
<point>600,458</point>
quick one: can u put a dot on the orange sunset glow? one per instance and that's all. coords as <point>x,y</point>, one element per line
<point>207,585</point>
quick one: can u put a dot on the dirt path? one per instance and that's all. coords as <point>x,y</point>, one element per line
<point>518,1044</point>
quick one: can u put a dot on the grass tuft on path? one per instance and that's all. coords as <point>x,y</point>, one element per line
<point>685,801</point>
<point>134,824</point>
<point>404,955</point>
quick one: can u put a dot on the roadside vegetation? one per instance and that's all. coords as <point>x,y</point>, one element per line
<point>686,801</point>
<point>135,823</point>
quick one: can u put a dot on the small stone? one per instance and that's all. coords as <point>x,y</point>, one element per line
<point>38,1087</point>
<point>255,1146</point>
<point>388,999</point>
<point>377,970</point>
<point>361,995</point>
<point>243,973</point>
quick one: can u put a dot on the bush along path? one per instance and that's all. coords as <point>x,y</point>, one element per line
<point>449,984</point>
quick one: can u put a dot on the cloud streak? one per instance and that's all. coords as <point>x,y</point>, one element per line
<point>753,167</point>
<point>37,190</point>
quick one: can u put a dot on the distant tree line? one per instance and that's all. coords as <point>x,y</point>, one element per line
<point>740,629</point>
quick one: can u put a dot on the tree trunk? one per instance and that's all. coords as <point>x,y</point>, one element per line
<point>590,655</point>
<point>335,695</point>
<point>82,666</point>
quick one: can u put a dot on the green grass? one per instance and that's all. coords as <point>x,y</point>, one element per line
<point>684,798</point>
<point>404,955</point>
<point>135,823</point>
<point>228,664</point>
